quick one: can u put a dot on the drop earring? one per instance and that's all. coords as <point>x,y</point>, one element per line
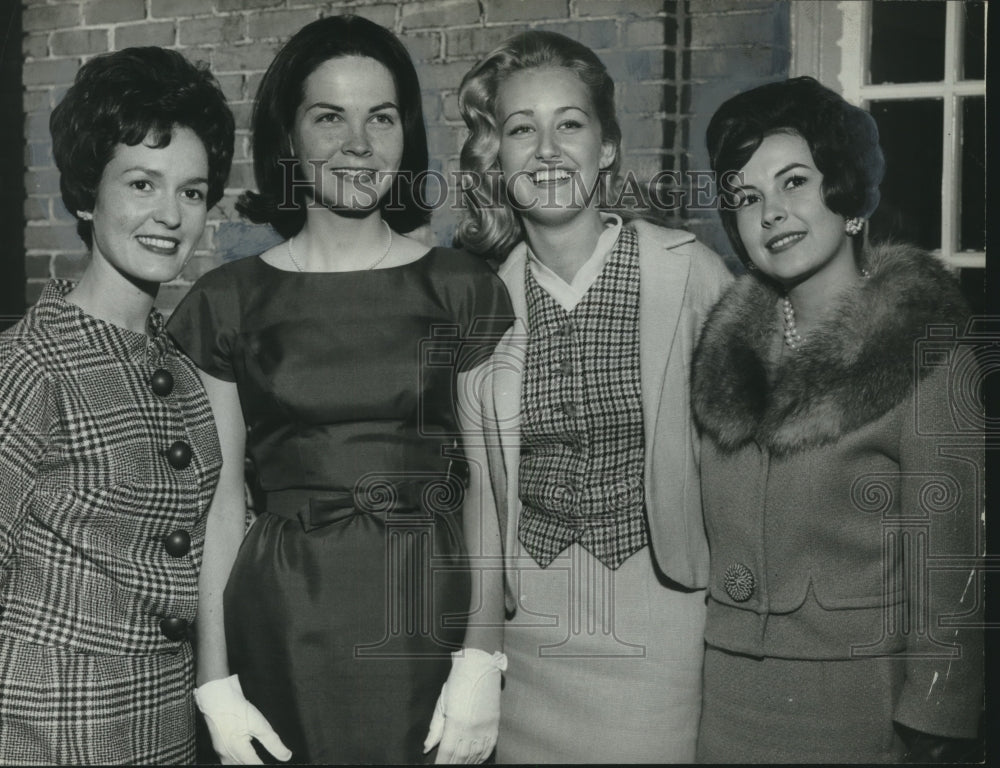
<point>854,226</point>
<point>85,215</point>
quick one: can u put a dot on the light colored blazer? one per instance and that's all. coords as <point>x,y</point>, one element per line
<point>680,279</point>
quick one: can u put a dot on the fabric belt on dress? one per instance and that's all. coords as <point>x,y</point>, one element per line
<point>379,496</point>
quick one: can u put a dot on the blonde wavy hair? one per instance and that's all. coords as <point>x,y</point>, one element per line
<point>489,225</point>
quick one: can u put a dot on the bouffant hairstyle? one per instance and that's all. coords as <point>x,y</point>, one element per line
<point>489,225</point>
<point>281,202</point>
<point>843,140</point>
<point>123,97</point>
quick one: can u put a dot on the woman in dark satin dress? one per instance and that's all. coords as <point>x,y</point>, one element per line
<point>331,360</point>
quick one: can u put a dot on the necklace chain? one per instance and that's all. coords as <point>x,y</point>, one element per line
<point>791,332</point>
<point>291,255</point>
<point>379,260</point>
<point>388,247</point>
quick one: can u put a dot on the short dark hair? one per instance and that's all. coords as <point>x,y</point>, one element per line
<point>282,90</point>
<point>843,140</point>
<point>122,97</point>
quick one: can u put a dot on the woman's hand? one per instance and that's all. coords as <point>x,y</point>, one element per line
<point>232,721</point>
<point>467,716</point>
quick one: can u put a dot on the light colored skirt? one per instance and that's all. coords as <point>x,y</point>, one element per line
<point>604,666</point>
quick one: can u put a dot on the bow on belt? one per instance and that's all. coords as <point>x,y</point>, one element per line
<point>415,495</point>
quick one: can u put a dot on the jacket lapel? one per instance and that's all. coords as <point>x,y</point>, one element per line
<point>508,375</point>
<point>663,276</point>
<point>509,362</point>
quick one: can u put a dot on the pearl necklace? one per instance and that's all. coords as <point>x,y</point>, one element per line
<point>792,337</point>
<point>379,260</point>
<point>791,332</point>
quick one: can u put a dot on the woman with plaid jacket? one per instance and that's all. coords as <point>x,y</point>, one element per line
<point>108,451</point>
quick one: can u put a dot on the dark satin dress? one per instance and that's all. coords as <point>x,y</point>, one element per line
<point>349,592</point>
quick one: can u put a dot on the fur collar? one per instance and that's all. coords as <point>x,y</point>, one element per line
<point>850,371</point>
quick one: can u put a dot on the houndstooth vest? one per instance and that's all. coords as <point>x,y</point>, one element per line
<point>582,455</point>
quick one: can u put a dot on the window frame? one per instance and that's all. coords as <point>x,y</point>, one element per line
<point>831,41</point>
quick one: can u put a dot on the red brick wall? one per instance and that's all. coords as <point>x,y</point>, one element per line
<point>643,43</point>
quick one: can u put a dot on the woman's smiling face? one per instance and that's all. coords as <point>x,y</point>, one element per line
<point>151,205</point>
<point>551,148</point>
<point>783,221</point>
<point>348,135</point>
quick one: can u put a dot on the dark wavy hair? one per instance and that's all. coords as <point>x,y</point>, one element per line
<point>495,229</point>
<point>123,97</point>
<point>281,92</point>
<point>843,140</point>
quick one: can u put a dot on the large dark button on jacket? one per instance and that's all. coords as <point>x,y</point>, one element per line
<point>174,628</point>
<point>739,582</point>
<point>177,543</point>
<point>179,455</point>
<point>162,382</point>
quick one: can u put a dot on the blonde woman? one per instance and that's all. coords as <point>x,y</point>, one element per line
<point>588,471</point>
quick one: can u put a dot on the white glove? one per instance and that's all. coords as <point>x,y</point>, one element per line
<point>467,716</point>
<point>232,721</point>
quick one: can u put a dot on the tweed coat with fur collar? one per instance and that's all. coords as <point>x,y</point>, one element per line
<point>816,462</point>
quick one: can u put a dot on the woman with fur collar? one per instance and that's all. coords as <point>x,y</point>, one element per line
<point>841,462</point>
<point>585,473</point>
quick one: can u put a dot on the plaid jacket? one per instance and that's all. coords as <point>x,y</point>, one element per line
<point>94,479</point>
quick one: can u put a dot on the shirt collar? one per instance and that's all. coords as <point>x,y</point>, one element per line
<point>568,295</point>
